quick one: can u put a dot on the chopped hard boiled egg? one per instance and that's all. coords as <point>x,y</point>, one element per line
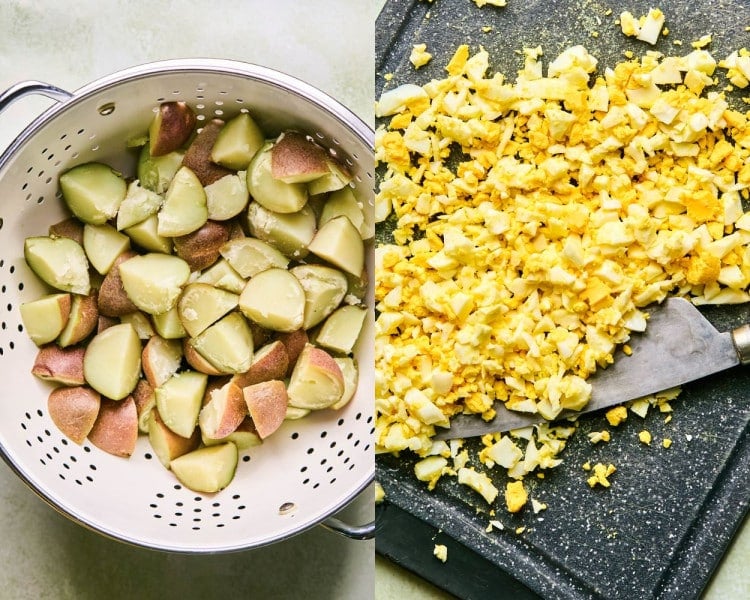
<point>535,220</point>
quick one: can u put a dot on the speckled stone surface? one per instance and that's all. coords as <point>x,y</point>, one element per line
<point>670,514</point>
<point>326,43</point>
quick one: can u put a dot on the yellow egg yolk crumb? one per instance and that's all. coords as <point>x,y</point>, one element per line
<point>616,415</point>
<point>601,474</point>
<point>515,496</point>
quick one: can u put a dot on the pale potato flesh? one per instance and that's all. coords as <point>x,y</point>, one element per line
<point>59,262</point>
<point>179,399</point>
<point>250,256</point>
<point>227,197</point>
<point>289,233</point>
<point>201,305</point>
<point>237,142</point>
<point>274,299</point>
<point>139,204</point>
<point>154,281</point>
<point>44,318</point>
<point>324,287</point>
<point>93,192</point>
<point>341,329</point>
<point>339,242</point>
<point>208,469</point>
<point>227,344</point>
<point>184,209</point>
<point>103,244</point>
<point>146,235</point>
<point>112,362</point>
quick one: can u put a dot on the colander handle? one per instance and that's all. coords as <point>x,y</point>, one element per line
<point>26,88</point>
<point>355,532</point>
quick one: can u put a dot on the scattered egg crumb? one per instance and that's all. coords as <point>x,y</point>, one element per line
<point>379,493</point>
<point>537,506</point>
<point>388,76</point>
<point>601,475</point>
<point>441,552</point>
<point>702,42</point>
<point>515,496</point>
<point>666,443</point>
<point>646,28</point>
<point>499,3</point>
<point>616,415</point>
<point>419,56</point>
<point>599,436</point>
<point>494,524</point>
<point>520,530</point>
<point>644,437</point>
<point>486,29</point>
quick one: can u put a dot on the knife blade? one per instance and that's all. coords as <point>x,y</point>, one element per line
<point>679,345</point>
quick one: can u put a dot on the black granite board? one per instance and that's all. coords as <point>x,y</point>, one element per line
<point>670,514</point>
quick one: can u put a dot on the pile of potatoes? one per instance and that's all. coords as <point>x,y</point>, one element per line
<point>203,302</point>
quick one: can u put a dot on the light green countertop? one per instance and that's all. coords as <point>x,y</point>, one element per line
<point>326,43</point>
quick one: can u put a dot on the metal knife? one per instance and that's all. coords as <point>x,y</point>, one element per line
<point>679,345</point>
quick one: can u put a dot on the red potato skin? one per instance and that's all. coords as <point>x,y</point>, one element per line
<point>294,342</point>
<point>234,413</point>
<point>198,155</point>
<point>116,428</point>
<point>61,365</point>
<point>177,124</point>
<point>74,410</point>
<point>266,402</point>
<point>200,249</point>
<point>293,154</point>
<point>112,300</point>
<point>272,365</point>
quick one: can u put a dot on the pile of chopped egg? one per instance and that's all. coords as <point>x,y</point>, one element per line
<point>535,220</point>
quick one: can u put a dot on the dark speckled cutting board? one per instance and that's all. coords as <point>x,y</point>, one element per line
<point>670,514</point>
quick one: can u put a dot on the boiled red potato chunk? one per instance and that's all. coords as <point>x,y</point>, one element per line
<point>93,191</point>
<point>223,413</point>
<point>171,128</point>
<point>339,243</point>
<point>227,344</point>
<point>179,400</point>
<point>201,305</point>
<point>103,244</point>
<point>115,430</point>
<point>154,281</point>
<point>184,209</point>
<point>74,410</point>
<point>161,358</point>
<point>60,365</point>
<point>112,361</point>
<point>267,403</point>
<point>59,262</point>
<point>166,444</point>
<point>209,469</point>
<point>198,155</point>
<point>83,319</point>
<point>274,299</point>
<point>237,142</point>
<point>324,288</point>
<point>290,233</point>
<point>46,317</point>
<point>317,381</point>
<point>270,192</point>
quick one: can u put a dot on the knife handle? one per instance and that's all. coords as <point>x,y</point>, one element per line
<point>741,339</point>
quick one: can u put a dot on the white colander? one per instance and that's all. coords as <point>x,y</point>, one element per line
<point>299,477</point>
